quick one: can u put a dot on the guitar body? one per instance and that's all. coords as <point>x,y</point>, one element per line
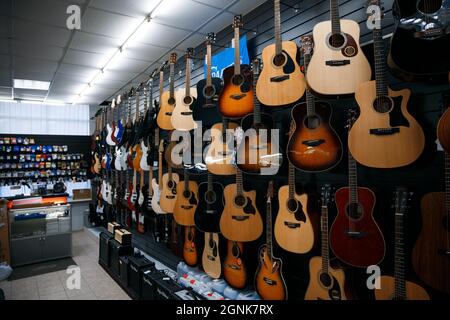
<point>118,159</point>
<point>240,220</point>
<point>358,250</point>
<point>252,155</point>
<point>220,158</point>
<point>119,131</point>
<point>269,282</point>
<point>143,164</point>
<point>322,286</point>
<point>189,248</point>
<point>443,131</point>
<point>186,204</point>
<point>181,118</point>
<point>236,100</point>
<point>165,112</point>
<point>209,208</point>
<point>97,164</point>
<point>156,206</point>
<point>293,229</point>
<point>413,291</point>
<point>283,84</point>
<point>314,145</point>
<point>206,108</point>
<point>385,148</point>
<point>342,79</point>
<point>137,157</point>
<point>234,268</point>
<point>169,192</point>
<point>429,260</point>
<point>109,135</point>
<point>211,257</point>
<point>420,50</point>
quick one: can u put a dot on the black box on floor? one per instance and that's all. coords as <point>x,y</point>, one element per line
<point>148,289</point>
<point>116,251</point>
<point>104,249</point>
<point>136,267</point>
<point>166,288</point>
<point>123,270</point>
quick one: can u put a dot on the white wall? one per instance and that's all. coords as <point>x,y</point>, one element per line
<point>45,119</point>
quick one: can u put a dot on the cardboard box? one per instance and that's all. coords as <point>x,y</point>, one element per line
<point>82,194</point>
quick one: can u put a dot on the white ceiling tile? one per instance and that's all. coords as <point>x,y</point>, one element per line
<point>109,24</point>
<point>77,76</point>
<point>5,61</point>
<point>119,75</point>
<point>34,65</point>
<point>50,12</point>
<point>193,41</point>
<point>4,46</point>
<point>96,44</point>
<point>127,7</point>
<point>29,94</point>
<point>131,65</point>
<point>26,49</point>
<point>222,21</point>
<point>244,6</point>
<point>217,3</point>
<point>158,34</point>
<point>145,52</point>
<point>110,84</point>
<point>40,34</point>
<point>82,58</point>
<point>27,74</point>
<point>5,77</point>
<point>79,71</point>
<point>4,27</point>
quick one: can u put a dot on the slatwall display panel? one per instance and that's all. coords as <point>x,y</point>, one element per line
<point>44,119</point>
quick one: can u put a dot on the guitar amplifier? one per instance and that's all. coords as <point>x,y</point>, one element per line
<point>113,226</point>
<point>123,236</point>
<point>166,288</point>
<point>116,251</point>
<point>104,249</point>
<point>123,270</point>
<point>136,267</point>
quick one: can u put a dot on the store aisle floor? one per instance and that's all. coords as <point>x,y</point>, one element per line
<point>96,284</point>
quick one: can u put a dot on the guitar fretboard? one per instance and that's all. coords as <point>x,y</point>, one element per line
<point>380,63</point>
<point>277,15</point>
<point>310,101</point>
<point>237,52</point>
<point>186,180</point>
<point>269,228</point>
<point>291,181</point>
<point>188,77</point>
<point>399,264</point>
<point>352,178</point>
<point>208,65</point>
<point>172,80</point>
<point>256,105</point>
<point>239,182</point>
<point>324,231</point>
<point>334,13</point>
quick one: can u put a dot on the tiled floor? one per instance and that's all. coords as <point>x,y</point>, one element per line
<point>96,284</point>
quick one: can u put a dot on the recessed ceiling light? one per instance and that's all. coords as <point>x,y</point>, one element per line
<point>31,84</point>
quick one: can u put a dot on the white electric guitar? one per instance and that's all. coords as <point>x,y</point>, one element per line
<point>156,185</point>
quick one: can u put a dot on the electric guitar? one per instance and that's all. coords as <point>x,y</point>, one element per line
<point>338,65</point>
<point>186,201</point>
<point>281,82</point>
<point>236,99</point>
<point>325,281</point>
<point>355,237</point>
<point>211,256</point>
<point>181,118</point>
<point>443,128</point>
<point>385,135</point>
<point>420,45</point>
<point>136,150</point>
<point>294,230</point>
<point>143,190</point>
<point>257,153</point>
<point>110,128</point>
<point>189,247</point>
<point>210,206</point>
<point>234,267</point>
<point>119,128</point>
<point>396,287</point>
<point>269,281</point>
<point>314,145</point>
<point>431,253</point>
<point>208,91</point>
<point>157,184</point>
<point>169,182</point>
<point>240,220</point>
<point>167,99</point>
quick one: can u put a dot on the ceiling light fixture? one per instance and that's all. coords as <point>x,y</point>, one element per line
<point>31,84</point>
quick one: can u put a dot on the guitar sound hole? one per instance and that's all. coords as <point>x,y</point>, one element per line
<point>190,236</point>
<point>292,205</point>
<point>186,194</point>
<point>211,243</point>
<point>312,122</point>
<point>210,197</point>
<point>235,251</point>
<point>325,279</point>
<point>383,104</point>
<point>171,101</point>
<point>279,60</point>
<point>238,79</point>
<point>354,211</point>
<point>429,6</point>
<point>188,100</point>
<point>170,184</point>
<point>337,40</point>
<point>209,92</point>
<point>240,201</point>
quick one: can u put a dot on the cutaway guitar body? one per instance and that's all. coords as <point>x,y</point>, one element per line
<point>211,256</point>
<point>269,282</point>
<point>234,268</point>
<point>189,247</point>
<point>169,192</point>
<point>220,153</point>
<point>413,291</point>
<point>186,204</point>
<point>325,286</point>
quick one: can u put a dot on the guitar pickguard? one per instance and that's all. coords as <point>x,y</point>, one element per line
<point>396,117</point>
<point>192,199</point>
<point>249,208</point>
<point>289,67</point>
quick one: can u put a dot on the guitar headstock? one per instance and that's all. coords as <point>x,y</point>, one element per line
<point>327,194</point>
<point>163,66</point>
<point>375,12</point>
<point>173,58</point>
<point>238,21</point>
<point>256,64</point>
<point>307,44</point>
<point>211,38</point>
<point>161,146</point>
<point>113,103</point>
<point>270,191</point>
<point>153,74</point>
<point>351,118</point>
<point>119,99</point>
<point>401,199</point>
<point>189,53</point>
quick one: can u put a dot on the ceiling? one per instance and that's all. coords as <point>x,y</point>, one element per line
<point>36,44</point>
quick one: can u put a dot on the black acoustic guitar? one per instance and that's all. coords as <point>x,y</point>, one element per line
<point>420,47</point>
<point>210,206</point>
<point>208,91</point>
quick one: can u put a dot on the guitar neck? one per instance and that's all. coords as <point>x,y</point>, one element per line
<point>324,232</point>
<point>208,65</point>
<point>352,178</point>
<point>172,80</point>
<point>161,84</point>
<point>160,169</point>
<point>239,182</point>
<point>256,105</point>
<point>186,180</point>
<point>188,77</point>
<point>291,181</point>
<point>150,178</point>
<point>237,52</point>
<point>277,15</point>
<point>269,244</point>
<point>310,101</point>
<point>335,21</point>
<point>380,63</point>
<point>399,265</point>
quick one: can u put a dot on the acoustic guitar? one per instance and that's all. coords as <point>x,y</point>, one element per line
<point>385,135</point>
<point>420,45</point>
<point>189,248</point>
<point>257,153</point>
<point>157,184</point>
<point>208,91</point>
<point>211,256</point>
<point>181,118</point>
<point>269,281</point>
<point>210,206</point>
<point>169,182</point>
<point>240,220</point>
<point>338,65</point>
<point>325,282</point>
<point>236,99</point>
<point>431,253</point>
<point>355,237</point>
<point>234,267</point>
<point>281,82</point>
<point>294,230</point>
<point>167,99</point>
<point>443,128</point>
<point>186,201</point>
<point>396,287</point>
<point>220,153</point>
<point>314,145</point>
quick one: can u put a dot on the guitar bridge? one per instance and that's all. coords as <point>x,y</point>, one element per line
<point>234,267</point>
<point>292,225</point>
<point>430,33</point>
<point>186,113</point>
<point>384,131</point>
<point>210,258</point>
<point>237,96</point>
<point>168,113</point>
<point>187,207</point>
<point>355,234</point>
<point>313,143</point>
<point>240,218</point>
<point>170,197</point>
<point>337,63</point>
<point>270,282</point>
<point>279,78</point>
